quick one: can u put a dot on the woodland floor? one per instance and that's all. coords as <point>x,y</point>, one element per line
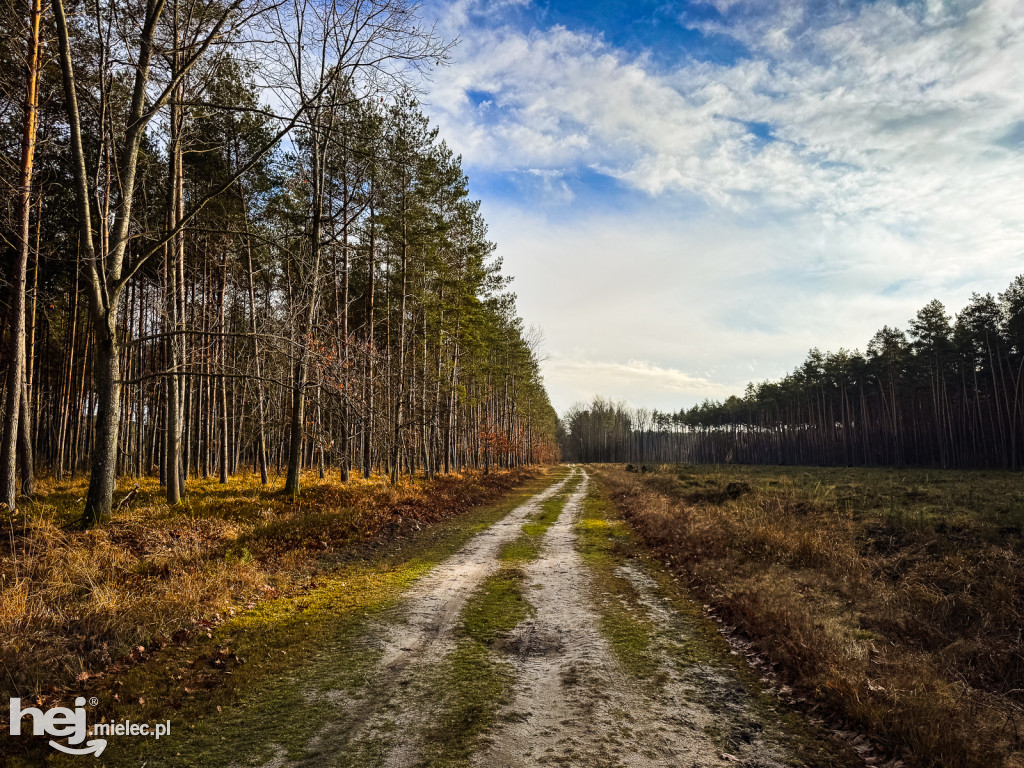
<point>537,632</point>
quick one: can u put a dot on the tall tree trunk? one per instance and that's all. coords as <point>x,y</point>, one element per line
<point>261,437</point>
<point>68,374</point>
<point>27,424</point>
<point>19,278</point>
<point>292,483</point>
<point>103,479</point>
<point>25,450</point>
<point>174,257</point>
<point>107,273</point>
<point>396,466</point>
<point>368,421</point>
<point>225,424</point>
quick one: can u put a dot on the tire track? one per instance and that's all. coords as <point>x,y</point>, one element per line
<point>573,704</point>
<point>391,701</point>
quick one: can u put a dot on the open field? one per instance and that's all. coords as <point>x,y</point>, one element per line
<point>895,597</point>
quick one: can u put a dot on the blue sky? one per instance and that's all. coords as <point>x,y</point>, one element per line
<point>691,195</point>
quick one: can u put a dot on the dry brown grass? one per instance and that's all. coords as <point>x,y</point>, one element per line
<point>895,596</point>
<point>74,603</point>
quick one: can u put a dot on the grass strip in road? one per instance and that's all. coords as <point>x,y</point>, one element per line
<point>476,686</point>
<point>527,546</point>
<point>260,679</point>
<point>496,608</point>
<point>603,545</point>
<point>475,682</point>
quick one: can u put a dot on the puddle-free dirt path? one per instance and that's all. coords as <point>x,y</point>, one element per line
<point>568,697</point>
<point>432,611</point>
<point>433,605</point>
<point>379,725</point>
<point>574,704</point>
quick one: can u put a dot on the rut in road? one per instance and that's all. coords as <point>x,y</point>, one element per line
<point>573,703</point>
<point>433,605</point>
<point>433,608</point>
<point>430,610</point>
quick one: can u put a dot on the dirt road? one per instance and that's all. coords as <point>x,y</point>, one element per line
<point>574,703</point>
<point>534,632</point>
<point>540,642</point>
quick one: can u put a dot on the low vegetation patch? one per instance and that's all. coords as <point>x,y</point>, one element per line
<point>896,596</point>
<point>266,676</point>
<point>74,603</point>
<point>603,545</point>
<point>527,546</point>
<point>684,637</point>
<point>475,681</point>
<point>496,608</point>
<point>477,685</point>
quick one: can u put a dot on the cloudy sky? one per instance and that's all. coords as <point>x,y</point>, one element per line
<point>691,195</point>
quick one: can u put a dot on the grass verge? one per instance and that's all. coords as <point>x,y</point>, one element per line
<point>684,638</point>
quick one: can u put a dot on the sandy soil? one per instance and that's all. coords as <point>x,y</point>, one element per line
<point>432,610</point>
<point>574,705</point>
<point>392,699</point>
<point>433,605</point>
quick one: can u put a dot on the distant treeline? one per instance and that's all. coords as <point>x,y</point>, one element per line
<point>947,392</point>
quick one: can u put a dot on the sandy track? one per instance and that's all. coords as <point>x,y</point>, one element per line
<point>433,605</point>
<point>391,700</point>
<point>433,608</point>
<point>573,704</point>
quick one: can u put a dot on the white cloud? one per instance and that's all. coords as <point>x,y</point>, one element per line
<point>890,178</point>
<point>868,116</point>
<point>554,187</point>
<point>638,382</point>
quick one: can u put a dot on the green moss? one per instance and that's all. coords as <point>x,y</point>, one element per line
<point>521,550</point>
<point>527,546</point>
<point>496,607</point>
<point>477,685</point>
<point>534,530</point>
<point>474,681</point>
<point>629,632</point>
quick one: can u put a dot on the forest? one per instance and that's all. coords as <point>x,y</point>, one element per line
<point>233,242</point>
<point>947,392</point>
<point>279,472</point>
